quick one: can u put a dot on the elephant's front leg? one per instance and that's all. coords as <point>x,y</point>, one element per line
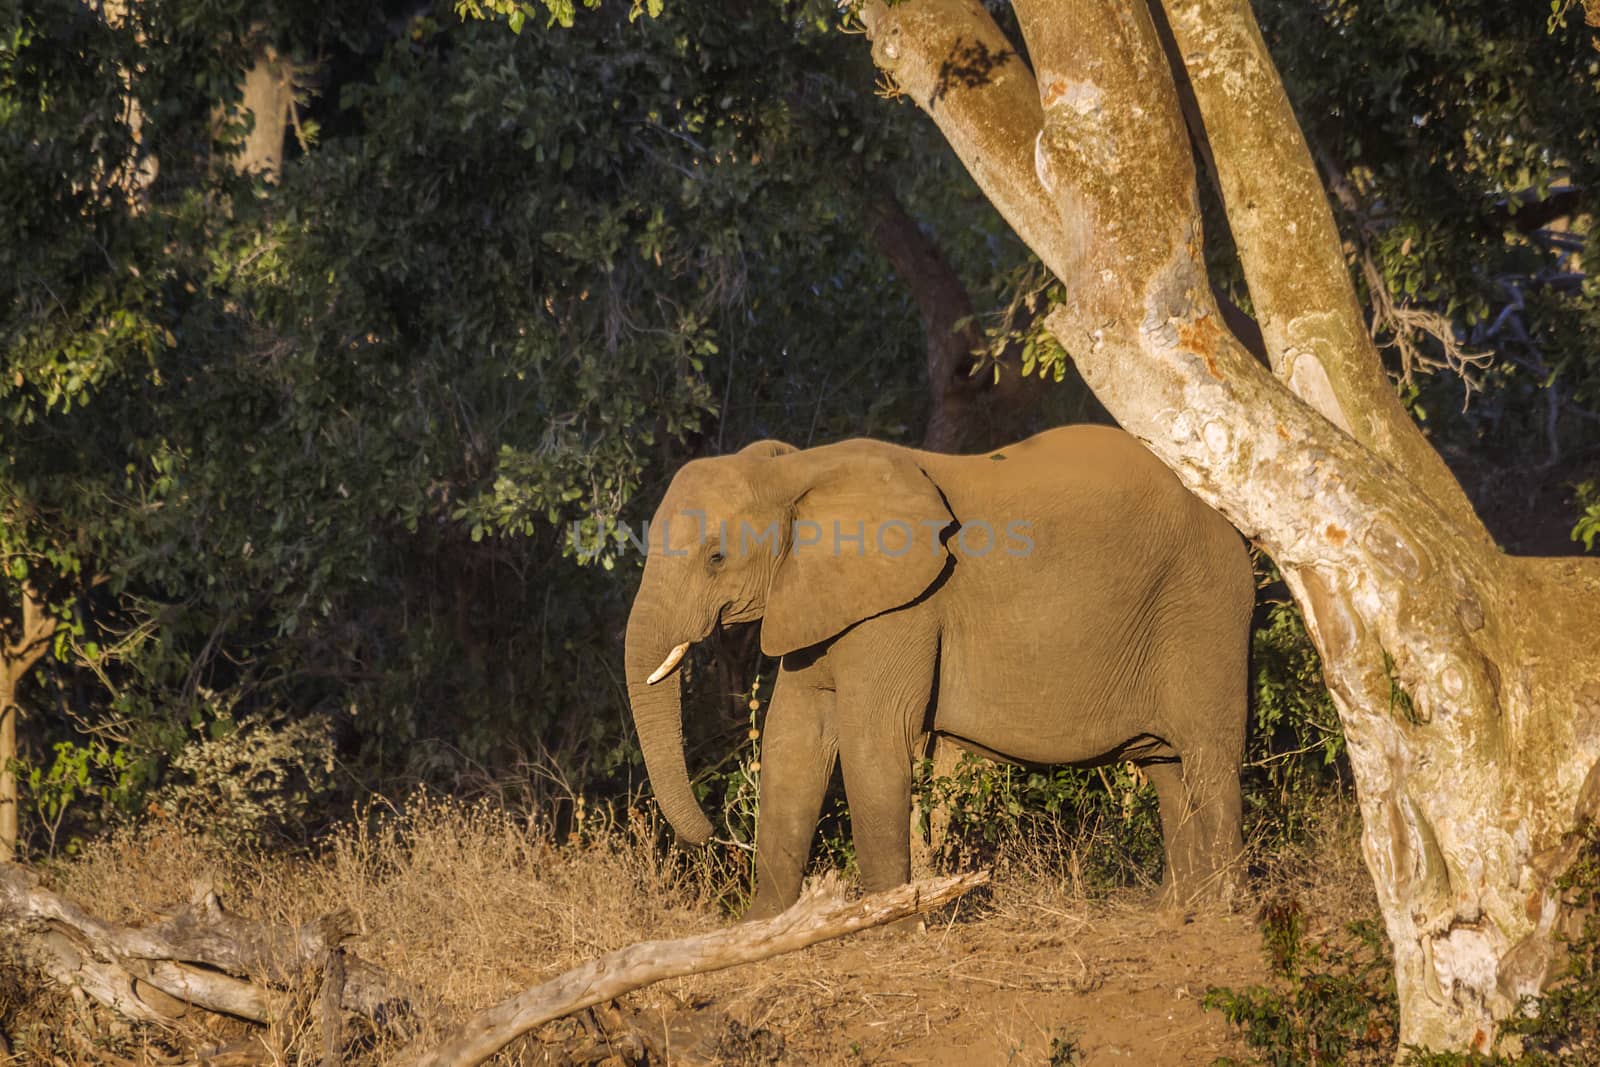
<point>882,707</point>
<point>798,749</point>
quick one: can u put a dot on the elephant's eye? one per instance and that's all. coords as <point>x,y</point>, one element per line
<point>715,559</point>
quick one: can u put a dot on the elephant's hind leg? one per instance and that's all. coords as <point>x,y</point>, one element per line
<point>1201,812</point>
<point>798,750</point>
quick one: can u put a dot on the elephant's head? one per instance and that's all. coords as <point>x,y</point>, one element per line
<point>810,542</point>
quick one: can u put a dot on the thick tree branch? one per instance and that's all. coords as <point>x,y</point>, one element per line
<point>1315,333</point>
<point>963,405</point>
<point>821,913</point>
<point>951,58</point>
<point>953,338</point>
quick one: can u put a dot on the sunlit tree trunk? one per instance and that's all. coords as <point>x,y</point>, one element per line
<point>24,639</point>
<point>268,97</point>
<point>1468,681</point>
<point>267,104</point>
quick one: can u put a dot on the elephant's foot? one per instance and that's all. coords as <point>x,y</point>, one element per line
<point>766,906</point>
<point>1212,892</point>
<point>911,925</point>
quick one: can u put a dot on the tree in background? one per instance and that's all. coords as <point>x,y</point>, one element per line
<point>325,328</point>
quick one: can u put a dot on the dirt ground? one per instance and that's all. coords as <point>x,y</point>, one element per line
<point>1096,985</point>
<point>471,903</point>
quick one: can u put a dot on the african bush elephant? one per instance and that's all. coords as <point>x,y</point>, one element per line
<point>1062,600</point>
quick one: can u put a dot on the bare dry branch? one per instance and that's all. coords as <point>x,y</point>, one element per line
<point>200,955</point>
<point>1403,323</point>
<point>821,914</point>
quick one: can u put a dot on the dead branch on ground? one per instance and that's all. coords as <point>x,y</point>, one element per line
<point>199,956</point>
<point>821,914</point>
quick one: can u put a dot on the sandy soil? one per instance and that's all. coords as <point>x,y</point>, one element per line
<point>1013,984</point>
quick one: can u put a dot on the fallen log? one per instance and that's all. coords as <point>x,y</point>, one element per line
<point>822,913</point>
<point>198,956</point>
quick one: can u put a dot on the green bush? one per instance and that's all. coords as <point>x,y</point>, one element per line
<point>1295,750</point>
<point>1334,1002</point>
<point>1106,815</point>
<point>1330,1002</point>
<point>249,779</point>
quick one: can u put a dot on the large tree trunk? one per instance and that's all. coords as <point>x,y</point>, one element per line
<point>266,104</point>
<point>1468,681</point>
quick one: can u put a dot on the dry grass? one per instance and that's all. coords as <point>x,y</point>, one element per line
<point>1325,874</point>
<point>472,903</point>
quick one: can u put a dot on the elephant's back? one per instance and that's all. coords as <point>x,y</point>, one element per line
<point>1084,479</point>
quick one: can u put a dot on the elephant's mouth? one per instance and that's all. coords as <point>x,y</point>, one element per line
<point>669,664</point>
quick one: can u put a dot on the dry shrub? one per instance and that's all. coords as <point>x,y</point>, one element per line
<point>474,902</point>
<point>1322,870</point>
<point>466,902</point>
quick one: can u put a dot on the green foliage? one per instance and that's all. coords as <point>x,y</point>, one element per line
<point>75,772</point>
<point>317,444</point>
<point>1330,1002</point>
<point>1110,809</point>
<point>1295,748</point>
<point>1461,143</point>
<point>246,780</point>
<point>1587,527</point>
<point>1333,1002</point>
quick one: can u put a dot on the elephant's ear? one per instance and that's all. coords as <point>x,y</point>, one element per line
<point>866,536</point>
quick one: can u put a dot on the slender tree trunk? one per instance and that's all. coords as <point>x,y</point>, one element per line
<point>1468,682</point>
<point>32,627</point>
<point>8,778</point>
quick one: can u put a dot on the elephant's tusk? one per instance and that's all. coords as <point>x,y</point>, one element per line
<point>668,665</point>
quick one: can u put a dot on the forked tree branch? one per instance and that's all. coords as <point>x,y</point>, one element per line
<point>1311,320</point>
<point>822,913</point>
<point>951,58</point>
<point>943,54</point>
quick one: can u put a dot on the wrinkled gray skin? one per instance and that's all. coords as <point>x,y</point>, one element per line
<point>1105,619</point>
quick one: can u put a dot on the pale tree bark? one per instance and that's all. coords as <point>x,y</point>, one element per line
<point>268,99</point>
<point>1468,682</point>
<point>135,174</point>
<point>24,639</point>
<point>268,104</point>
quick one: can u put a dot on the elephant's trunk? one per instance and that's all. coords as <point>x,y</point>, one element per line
<point>658,716</point>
